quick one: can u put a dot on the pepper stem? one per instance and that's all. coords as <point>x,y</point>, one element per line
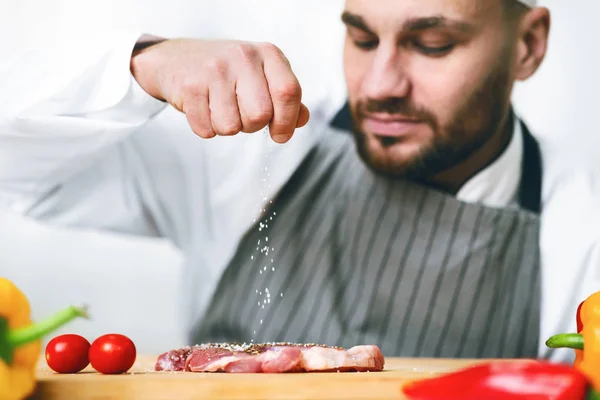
<point>33,332</point>
<point>593,395</point>
<point>569,340</point>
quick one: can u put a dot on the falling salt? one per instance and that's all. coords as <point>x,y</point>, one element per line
<point>273,269</point>
<point>261,321</point>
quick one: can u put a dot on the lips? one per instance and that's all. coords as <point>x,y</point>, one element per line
<point>390,127</point>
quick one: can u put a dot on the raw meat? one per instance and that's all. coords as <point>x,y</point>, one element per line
<point>271,358</point>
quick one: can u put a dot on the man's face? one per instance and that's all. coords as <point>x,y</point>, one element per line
<point>429,81</point>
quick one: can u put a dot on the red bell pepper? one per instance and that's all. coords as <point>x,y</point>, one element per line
<point>504,380</point>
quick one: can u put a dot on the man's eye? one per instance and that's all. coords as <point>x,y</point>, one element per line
<point>366,44</point>
<point>433,50</point>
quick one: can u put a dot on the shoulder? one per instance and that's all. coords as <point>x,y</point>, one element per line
<point>570,217</point>
<point>569,176</point>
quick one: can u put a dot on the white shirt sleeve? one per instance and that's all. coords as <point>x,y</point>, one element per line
<point>570,247</point>
<point>62,108</point>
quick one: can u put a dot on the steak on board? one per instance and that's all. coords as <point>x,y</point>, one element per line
<point>271,358</point>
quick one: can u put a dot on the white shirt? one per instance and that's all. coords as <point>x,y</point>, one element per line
<point>497,185</point>
<point>77,149</point>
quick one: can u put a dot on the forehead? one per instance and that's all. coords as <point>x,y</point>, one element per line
<point>398,11</point>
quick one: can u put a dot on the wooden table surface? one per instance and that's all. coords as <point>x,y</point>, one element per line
<point>143,383</point>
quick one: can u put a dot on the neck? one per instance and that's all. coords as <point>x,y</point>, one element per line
<point>452,179</point>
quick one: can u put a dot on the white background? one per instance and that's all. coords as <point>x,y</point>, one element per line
<point>131,284</point>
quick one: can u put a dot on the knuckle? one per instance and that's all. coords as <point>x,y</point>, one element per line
<point>198,128</point>
<point>217,67</point>
<point>230,128</point>
<point>201,130</point>
<point>270,49</point>
<point>189,86</point>
<point>260,116</point>
<point>288,92</point>
<point>203,133</point>
<point>246,51</point>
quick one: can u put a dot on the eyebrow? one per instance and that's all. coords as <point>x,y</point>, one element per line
<point>356,21</point>
<point>422,24</point>
<point>412,25</point>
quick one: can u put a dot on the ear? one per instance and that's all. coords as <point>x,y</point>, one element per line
<point>532,41</point>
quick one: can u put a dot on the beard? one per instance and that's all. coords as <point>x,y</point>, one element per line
<point>471,126</point>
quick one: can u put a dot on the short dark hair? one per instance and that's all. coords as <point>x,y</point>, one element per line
<point>513,9</point>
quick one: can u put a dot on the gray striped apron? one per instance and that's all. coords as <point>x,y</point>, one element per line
<point>356,258</point>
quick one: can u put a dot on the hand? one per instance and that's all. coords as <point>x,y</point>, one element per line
<point>224,87</point>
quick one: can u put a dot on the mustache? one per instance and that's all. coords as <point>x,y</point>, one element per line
<point>393,106</point>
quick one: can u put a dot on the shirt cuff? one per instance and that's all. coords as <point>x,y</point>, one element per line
<point>134,103</point>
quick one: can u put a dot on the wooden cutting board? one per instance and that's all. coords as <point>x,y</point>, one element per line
<point>142,383</point>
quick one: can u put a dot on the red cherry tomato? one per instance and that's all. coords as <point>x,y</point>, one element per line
<point>67,354</point>
<point>112,354</point>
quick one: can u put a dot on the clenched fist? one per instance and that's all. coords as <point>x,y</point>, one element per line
<point>224,87</point>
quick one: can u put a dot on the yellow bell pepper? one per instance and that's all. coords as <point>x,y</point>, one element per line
<point>586,341</point>
<point>590,319</point>
<point>20,344</point>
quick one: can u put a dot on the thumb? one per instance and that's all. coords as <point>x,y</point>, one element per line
<point>303,116</point>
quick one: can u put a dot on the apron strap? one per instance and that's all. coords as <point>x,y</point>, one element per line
<point>530,190</point>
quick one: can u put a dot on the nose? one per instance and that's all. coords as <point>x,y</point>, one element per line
<point>386,77</point>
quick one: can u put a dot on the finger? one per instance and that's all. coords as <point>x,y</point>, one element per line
<point>286,96</point>
<point>303,116</point>
<point>224,111</point>
<point>253,97</point>
<point>197,114</point>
